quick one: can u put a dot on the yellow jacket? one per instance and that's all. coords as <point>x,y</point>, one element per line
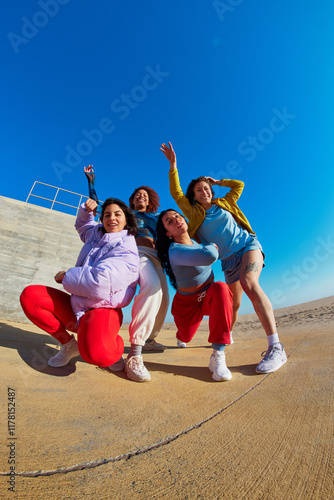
<point>196,213</point>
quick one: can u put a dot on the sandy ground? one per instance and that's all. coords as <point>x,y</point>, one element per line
<point>80,432</point>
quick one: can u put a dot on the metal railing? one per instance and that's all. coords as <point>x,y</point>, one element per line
<point>54,201</point>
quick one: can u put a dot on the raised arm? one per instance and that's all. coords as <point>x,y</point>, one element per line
<point>91,206</point>
<point>85,223</point>
<point>174,182</point>
<point>89,172</point>
<point>236,187</point>
<point>169,152</point>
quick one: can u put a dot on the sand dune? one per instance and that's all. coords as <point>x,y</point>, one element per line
<point>321,310</point>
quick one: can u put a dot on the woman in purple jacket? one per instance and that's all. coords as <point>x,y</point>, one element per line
<point>103,281</point>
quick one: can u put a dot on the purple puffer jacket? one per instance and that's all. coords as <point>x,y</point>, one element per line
<point>106,272</point>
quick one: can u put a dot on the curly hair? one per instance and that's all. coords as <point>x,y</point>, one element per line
<point>153,199</point>
<point>162,244</point>
<point>190,190</point>
<point>131,224</point>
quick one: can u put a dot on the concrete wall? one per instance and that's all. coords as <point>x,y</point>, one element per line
<point>36,243</point>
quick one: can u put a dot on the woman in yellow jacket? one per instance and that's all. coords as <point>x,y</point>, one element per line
<point>220,221</point>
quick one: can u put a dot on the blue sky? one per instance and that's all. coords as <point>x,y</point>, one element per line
<point>242,89</point>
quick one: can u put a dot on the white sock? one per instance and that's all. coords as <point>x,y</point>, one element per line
<point>272,339</point>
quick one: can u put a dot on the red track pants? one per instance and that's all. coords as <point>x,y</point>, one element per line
<point>215,302</point>
<point>98,340</point>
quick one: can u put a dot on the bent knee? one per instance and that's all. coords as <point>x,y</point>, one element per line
<point>99,357</point>
<point>251,288</point>
<point>29,295</point>
<point>221,286</point>
<point>236,306</point>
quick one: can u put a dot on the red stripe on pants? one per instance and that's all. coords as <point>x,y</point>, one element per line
<point>215,302</point>
<point>98,340</point>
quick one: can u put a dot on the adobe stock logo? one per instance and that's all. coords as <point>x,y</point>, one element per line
<point>31,27</point>
<point>255,144</point>
<point>121,108</point>
<point>265,135</point>
<point>223,7</point>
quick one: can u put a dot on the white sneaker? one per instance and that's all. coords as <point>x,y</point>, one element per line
<point>273,359</point>
<point>118,366</point>
<point>153,346</point>
<point>136,370</point>
<point>179,343</point>
<point>218,367</point>
<point>66,353</point>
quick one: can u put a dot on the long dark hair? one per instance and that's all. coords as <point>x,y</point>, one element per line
<point>190,190</point>
<point>131,224</point>
<point>162,244</point>
<point>153,199</point>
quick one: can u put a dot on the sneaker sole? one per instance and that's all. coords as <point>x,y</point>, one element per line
<point>63,364</point>
<point>181,346</point>
<point>135,378</point>
<point>60,366</point>
<point>222,379</point>
<point>271,371</point>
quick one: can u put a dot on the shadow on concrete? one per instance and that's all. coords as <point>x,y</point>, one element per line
<point>196,372</point>
<point>247,370</point>
<point>34,350</point>
<point>189,346</point>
